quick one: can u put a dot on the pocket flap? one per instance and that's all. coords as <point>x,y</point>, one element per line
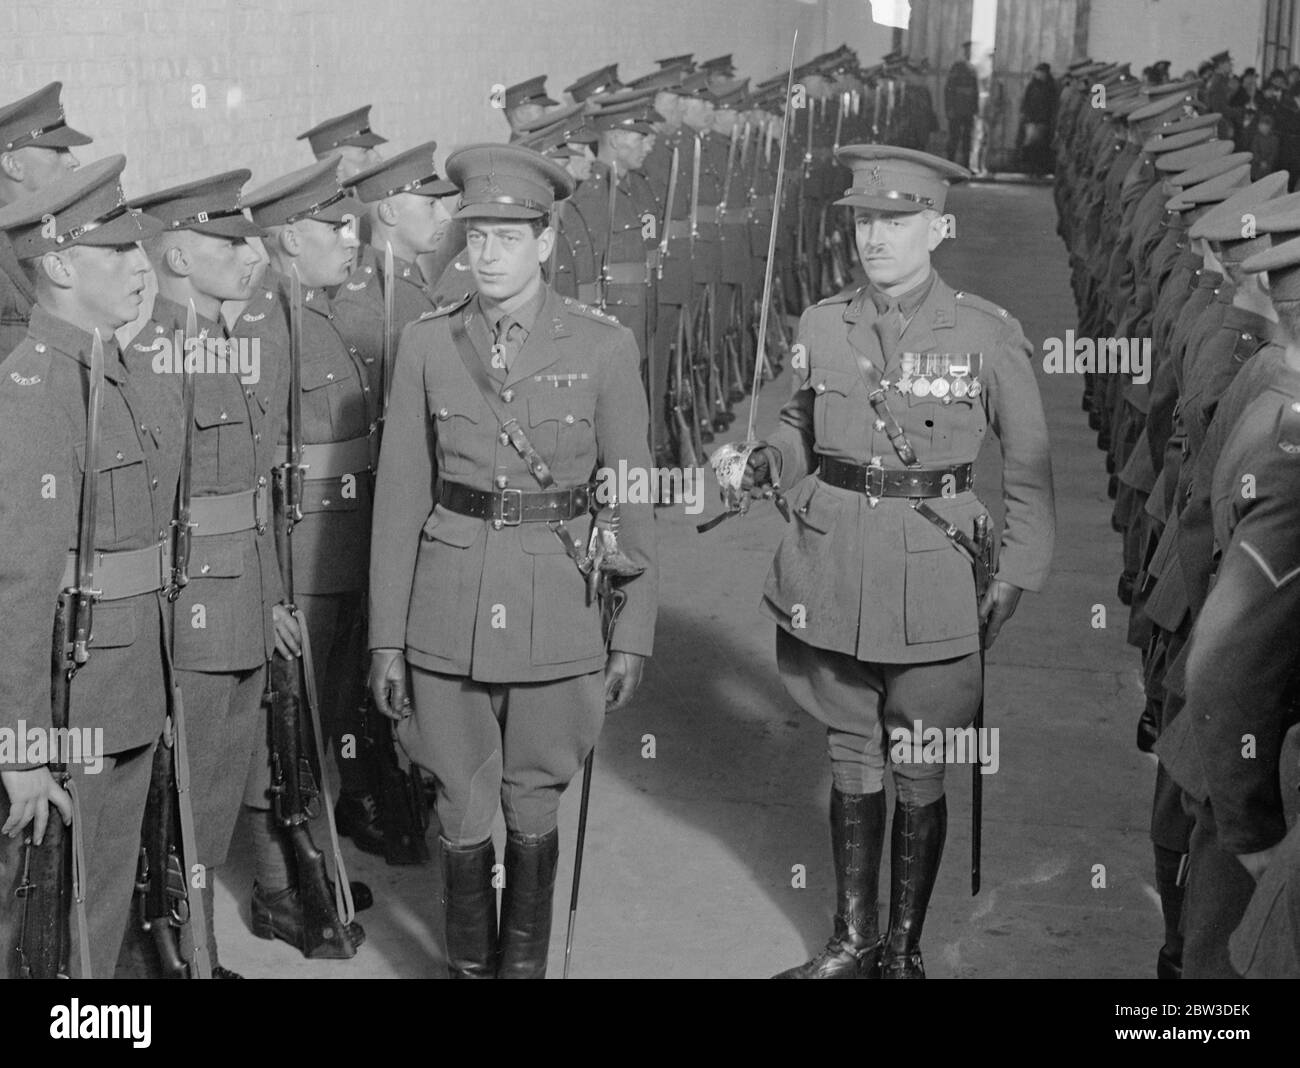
<point>318,373</point>
<point>216,557</point>
<point>920,535</point>
<point>815,506</point>
<point>825,380</point>
<point>561,405</point>
<point>120,451</point>
<point>451,528</point>
<point>213,411</point>
<point>538,539</point>
<point>113,625</point>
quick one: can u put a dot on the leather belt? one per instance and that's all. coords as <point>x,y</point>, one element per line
<point>119,575</point>
<point>897,482</point>
<point>332,459</point>
<point>229,513</point>
<point>510,507</point>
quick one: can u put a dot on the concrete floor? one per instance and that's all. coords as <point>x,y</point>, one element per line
<point>689,857</point>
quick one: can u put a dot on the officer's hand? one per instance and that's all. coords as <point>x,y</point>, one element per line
<point>622,677</point>
<point>30,795</point>
<point>388,683</point>
<point>1257,863</point>
<point>999,604</point>
<point>288,640</point>
<point>757,480</point>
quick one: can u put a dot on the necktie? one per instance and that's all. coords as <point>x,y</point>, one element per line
<point>505,343</point>
<point>889,328</point>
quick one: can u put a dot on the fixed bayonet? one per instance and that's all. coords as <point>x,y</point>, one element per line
<point>386,368</point>
<point>183,527</point>
<point>674,167</point>
<point>86,593</point>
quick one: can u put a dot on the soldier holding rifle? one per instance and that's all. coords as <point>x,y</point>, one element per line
<point>89,472</point>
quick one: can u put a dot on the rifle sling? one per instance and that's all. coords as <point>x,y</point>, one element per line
<point>537,466</point>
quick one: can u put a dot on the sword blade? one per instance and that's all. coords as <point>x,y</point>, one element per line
<point>386,370</point>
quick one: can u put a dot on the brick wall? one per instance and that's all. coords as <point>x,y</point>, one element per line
<point>186,88</point>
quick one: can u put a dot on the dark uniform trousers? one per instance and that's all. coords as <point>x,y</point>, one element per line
<point>1218,890</point>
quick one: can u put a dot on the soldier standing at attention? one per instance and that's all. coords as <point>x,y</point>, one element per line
<point>310,225</point>
<point>88,274</point>
<point>877,621</point>
<point>35,148</point>
<point>503,406</point>
<point>525,103</point>
<point>229,616</point>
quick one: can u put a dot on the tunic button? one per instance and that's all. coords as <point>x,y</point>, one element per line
<point>569,419</point>
<point>224,415</point>
<point>119,456</point>
<point>496,524</point>
<point>40,346</point>
<point>508,395</point>
<point>879,424</point>
<point>257,437</point>
<point>504,438</point>
<point>442,413</point>
<point>352,350</point>
<point>365,389</point>
<point>821,387</point>
<point>329,377</point>
<point>154,483</point>
<point>162,534</point>
<point>501,481</point>
<point>205,569</point>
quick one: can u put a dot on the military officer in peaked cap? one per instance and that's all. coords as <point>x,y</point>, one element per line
<point>877,622</point>
<point>229,615</point>
<point>88,275</point>
<point>36,146</point>
<point>483,644</point>
<point>604,80</point>
<point>347,138</point>
<point>525,102</point>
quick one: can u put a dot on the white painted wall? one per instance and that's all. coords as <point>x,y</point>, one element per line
<point>1185,32</point>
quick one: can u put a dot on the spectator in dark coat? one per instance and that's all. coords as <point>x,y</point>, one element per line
<point>961,103</point>
<point>1037,114</point>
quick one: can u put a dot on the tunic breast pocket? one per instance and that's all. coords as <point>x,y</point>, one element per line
<point>561,427</point>
<point>124,497</point>
<point>327,400</point>
<point>952,428</point>
<point>222,439</point>
<point>456,421</point>
<point>837,418</point>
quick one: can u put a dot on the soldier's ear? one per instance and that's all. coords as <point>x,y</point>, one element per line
<point>386,213</point>
<point>936,230</point>
<point>288,240</point>
<point>177,260</point>
<point>56,270</point>
<point>11,166</point>
<point>545,242</point>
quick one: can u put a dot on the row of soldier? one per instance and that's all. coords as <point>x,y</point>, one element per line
<point>191,549</point>
<point>1184,265</point>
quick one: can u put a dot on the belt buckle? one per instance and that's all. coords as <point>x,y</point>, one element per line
<point>512,517</point>
<point>874,494</point>
<point>581,500</point>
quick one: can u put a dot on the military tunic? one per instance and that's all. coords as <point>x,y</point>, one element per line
<point>16,299</point>
<point>881,583</point>
<point>122,690</point>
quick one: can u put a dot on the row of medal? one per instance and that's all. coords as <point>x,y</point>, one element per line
<point>937,374</point>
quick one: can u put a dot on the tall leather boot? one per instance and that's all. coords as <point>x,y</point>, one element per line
<point>531,860</point>
<point>857,840</point>
<point>1169,962</point>
<point>915,848</point>
<point>469,902</point>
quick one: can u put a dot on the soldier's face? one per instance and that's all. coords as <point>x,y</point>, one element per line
<point>895,246</point>
<point>524,114</point>
<point>325,250</point>
<point>505,256</point>
<point>108,282</point>
<point>669,106</point>
<point>579,164</point>
<point>697,112</point>
<point>41,166</point>
<point>724,120</point>
<point>421,222</point>
<point>630,149</point>
<point>354,160</point>
<point>222,267</point>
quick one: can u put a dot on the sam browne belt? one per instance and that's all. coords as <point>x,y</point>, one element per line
<point>510,507</point>
<point>915,482</point>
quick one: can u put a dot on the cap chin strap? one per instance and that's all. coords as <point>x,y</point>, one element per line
<point>890,194</point>
<point>315,208</point>
<point>94,224</point>
<point>31,135</point>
